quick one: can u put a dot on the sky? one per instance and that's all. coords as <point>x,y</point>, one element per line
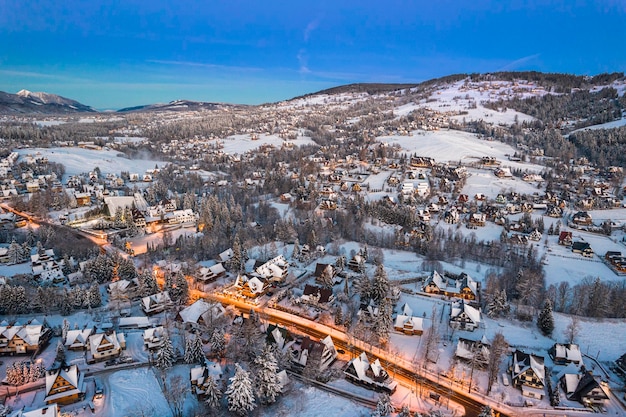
<point>113,54</point>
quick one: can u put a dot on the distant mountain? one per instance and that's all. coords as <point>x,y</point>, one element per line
<point>369,88</point>
<point>27,102</point>
<point>178,105</point>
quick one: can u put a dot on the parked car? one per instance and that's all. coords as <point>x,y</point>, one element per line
<point>110,362</point>
<point>125,359</point>
<point>98,391</point>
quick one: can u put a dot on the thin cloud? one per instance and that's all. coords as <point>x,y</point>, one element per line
<point>204,65</point>
<point>310,27</point>
<point>303,61</point>
<point>519,62</point>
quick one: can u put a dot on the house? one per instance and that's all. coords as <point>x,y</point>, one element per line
<point>408,324</point>
<point>206,275</point>
<point>46,268</point>
<point>251,287</point>
<point>78,339</point>
<point>280,337</point>
<point>317,295</point>
<point>357,263</point>
<point>274,270</point>
<point>616,260</point>
<point>156,303</point>
<point>476,351</point>
<point>582,218</point>
<point>565,238</point>
<point>64,385</point>
<point>306,347</point>
<point>21,339</point>
<point>201,313</point>
<point>199,377</point>
<point>584,388</point>
<point>528,373</point>
<point>464,317</point>
<point>477,219</point>
<point>325,273</point>
<point>123,286</point>
<point>371,375</point>
<point>582,248</point>
<point>103,346</point>
<point>153,337</point>
<point>564,354</point>
<point>225,256</point>
<point>462,287</point>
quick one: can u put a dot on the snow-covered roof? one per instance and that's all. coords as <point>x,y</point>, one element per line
<point>72,375</point>
<point>416,323</point>
<point>200,309</point>
<point>110,339</point>
<point>472,313</point>
<point>77,338</point>
<point>51,410</point>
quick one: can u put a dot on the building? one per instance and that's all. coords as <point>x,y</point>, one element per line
<point>23,339</point>
<point>409,325</point>
<point>64,385</point>
<point>78,339</point>
<point>582,248</point>
<point>462,287</point>
<point>464,317</point>
<point>528,373</point>
<point>47,411</point>
<point>201,312</point>
<point>199,377</point>
<point>153,337</point>
<point>585,388</point>
<point>103,346</point>
<point>274,270</point>
<point>251,287</point>
<point>206,275</point>
<point>564,354</point>
<point>156,303</point>
<point>371,375</point>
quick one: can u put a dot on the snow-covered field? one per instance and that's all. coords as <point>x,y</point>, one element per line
<point>240,144</point>
<point>79,160</point>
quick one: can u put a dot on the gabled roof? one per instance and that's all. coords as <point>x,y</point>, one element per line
<point>415,323</point>
<point>99,339</point>
<point>72,375</point>
<point>586,384</point>
<point>200,310</point>
<point>523,362</point>
<point>461,307</point>
<point>51,410</point>
<point>78,337</point>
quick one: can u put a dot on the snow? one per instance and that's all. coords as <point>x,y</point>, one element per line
<point>132,391</point>
<point>79,160</point>
<point>240,144</point>
<point>453,146</point>
<point>608,125</point>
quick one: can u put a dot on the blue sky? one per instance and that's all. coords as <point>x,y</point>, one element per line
<point>112,54</point>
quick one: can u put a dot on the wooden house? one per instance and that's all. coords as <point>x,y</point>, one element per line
<point>562,354</point>
<point>584,388</point>
<point>104,346</point>
<point>156,303</point>
<point>23,339</point>
<point>464,317</point>
<point>78,339</point>
<point>370,374</point>
<point>528,373</point>
<point>582,248</point>
<point>409,325</point>
<point>64,385</point>
<point>565,238</point>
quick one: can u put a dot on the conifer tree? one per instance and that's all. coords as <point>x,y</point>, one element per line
<point>212,392</point>
<point>218,343</point>
<point>240,392</point>
<point>545,321</point>
<point>165,355</point>
<point>267,385</point>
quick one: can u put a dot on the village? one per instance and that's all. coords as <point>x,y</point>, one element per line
<point>382,271</point>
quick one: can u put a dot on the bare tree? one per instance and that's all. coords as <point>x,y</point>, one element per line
<point>499,346</point>
<point>572,329</point>
<point>175,393</point>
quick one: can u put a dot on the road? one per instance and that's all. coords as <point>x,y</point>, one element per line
<point>97,238</point>
<point>428,380</point>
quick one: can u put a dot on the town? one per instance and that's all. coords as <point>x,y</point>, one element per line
<point>436,249</point>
